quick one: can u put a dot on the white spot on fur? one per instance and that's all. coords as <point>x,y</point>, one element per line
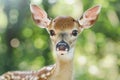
<point>43,76</point>
<point>49,68</point>
<point>48,74</point>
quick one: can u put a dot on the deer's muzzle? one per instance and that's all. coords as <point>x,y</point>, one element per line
<point>62,46</point>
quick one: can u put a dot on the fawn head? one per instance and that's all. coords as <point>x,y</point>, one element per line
<point>64,30</point>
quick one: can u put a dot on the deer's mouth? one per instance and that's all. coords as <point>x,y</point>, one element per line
<point>62,46</point>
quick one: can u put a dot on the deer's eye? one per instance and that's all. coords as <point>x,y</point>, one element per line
<point>74,32</point>
<point>52,32</point>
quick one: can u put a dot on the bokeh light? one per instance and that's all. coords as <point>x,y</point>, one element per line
<point>15,43</point>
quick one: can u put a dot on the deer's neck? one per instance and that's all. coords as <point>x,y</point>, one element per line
<point>63,70</point>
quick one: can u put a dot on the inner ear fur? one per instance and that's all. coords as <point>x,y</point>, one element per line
<point>90,16</point>
<point>39,16</point>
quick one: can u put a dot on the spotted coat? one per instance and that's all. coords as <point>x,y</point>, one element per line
<point>42,74</point>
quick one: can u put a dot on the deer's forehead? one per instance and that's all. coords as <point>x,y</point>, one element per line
<point>63,23</point>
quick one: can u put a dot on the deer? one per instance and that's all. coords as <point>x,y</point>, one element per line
<point>63,32</point>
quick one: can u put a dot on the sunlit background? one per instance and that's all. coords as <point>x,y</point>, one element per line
<point>24,46</point>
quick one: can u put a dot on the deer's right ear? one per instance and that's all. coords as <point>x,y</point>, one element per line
<point>90,16</point>
<point>39,16</point>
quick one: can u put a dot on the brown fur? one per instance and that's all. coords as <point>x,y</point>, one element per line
<point>61,23</point>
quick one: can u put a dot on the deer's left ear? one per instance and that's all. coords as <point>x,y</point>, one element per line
<point>39,16</point>
<point>89,17</point>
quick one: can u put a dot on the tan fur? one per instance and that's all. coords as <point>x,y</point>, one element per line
<point>63,71</point>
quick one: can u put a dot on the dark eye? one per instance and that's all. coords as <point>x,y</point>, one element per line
<point>52,32</point>
<point>74,32</point>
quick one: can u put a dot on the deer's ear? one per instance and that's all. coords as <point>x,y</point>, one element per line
<point>89,17</point>
<point>39,16</point>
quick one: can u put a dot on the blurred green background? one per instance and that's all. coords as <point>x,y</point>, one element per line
<point>24,46</point>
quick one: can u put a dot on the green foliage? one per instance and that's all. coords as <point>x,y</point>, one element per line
<point>24,46</point>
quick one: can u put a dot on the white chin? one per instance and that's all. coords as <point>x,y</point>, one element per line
<point>64,55</point>
<point>62,52</point>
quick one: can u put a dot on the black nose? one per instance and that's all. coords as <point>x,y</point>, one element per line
<point>62,46</point>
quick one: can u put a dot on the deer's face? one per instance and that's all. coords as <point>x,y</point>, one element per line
<point>63,33</point>
<point>64,30</point>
